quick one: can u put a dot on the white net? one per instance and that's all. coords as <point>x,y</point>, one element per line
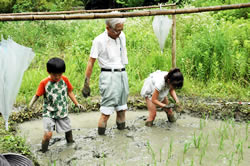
<point>162,26</point>
<point>14,60</point>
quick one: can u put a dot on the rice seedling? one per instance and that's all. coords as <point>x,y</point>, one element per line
<point>52,164</point>
<point>178,163</point>
<point>197,141</point>
<point>239,150</point>
<point>204,116</point>
<point>202,154</point>
<point>160,153</point>
<point>170,150</point>
<point>194,140</point>
<point>151,152</point>
<point>246,131</point>
<point>103,159</point>
<point>210,114</point>
<point>232,123</point>
<point>233,136</point>
<point>202,124</point>
<point>221,144</point>
<point>225,131</point>
<point>206,141</point>
<point>192,162</point>
<point>231,159</point>
<point>186,148</point>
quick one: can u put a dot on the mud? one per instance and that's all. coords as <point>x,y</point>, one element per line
<point>141,145</point>
<point>194,106</point>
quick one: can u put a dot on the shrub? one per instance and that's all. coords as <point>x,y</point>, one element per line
<point>6,6</point>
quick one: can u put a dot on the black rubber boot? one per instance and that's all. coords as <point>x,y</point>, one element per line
<point>149,123</point>
<point>69,137</point>
<point>120,126</point>
<point>101,130</point>
<point>45,145</point>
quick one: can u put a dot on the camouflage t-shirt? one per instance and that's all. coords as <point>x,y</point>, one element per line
<point>55,94</point>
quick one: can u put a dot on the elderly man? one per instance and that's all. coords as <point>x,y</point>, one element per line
<point>110,50</point>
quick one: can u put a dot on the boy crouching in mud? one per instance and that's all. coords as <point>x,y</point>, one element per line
<point>55,90</point>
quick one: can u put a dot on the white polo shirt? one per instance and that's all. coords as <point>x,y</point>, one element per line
<point>111,53</point>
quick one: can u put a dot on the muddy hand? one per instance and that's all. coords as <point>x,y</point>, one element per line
<point>86,88</point>
<point>178,107</point>
<point>169,106</point>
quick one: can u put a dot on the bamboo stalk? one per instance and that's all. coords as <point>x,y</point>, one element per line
<point>174,40</point>
<point>122,15</point>
<point>85,11</point>
<point>130,8</point>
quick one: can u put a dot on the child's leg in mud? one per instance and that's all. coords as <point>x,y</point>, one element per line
<point>170,114</point>
<point>120,119</point>
<point>102,124</point>
<point>69,137</point>
<point>45,142</point>
<point>152,113</point>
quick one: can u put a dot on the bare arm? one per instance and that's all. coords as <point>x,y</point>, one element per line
<point>33,100</point>
<point>86,88</point>
<point>89,69</point>
<point>155,99</point>
<point>73,98</point>
<point>173,94</point>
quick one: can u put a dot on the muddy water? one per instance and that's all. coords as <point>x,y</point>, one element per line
<point>189,141</point>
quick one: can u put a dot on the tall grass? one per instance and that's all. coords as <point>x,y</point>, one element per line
<point>212,49</point>
<point>212,54</point>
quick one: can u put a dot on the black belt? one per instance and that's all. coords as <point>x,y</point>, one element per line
<point>103,69</point>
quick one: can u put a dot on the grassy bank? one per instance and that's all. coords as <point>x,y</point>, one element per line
<point>212,53</point>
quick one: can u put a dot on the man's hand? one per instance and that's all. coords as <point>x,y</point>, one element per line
<point>86,88</point>
<point>80,107</point>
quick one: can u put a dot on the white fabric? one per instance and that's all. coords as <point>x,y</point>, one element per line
<point>110,110</point>
<point>109,52</point>
<point>155,81</point>
<point>14,60</point>
<point>162,26</point>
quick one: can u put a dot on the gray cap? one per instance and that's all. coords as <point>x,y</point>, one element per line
<point>12,159</point>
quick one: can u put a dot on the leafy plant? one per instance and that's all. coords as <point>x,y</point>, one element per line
<point>16,144</point>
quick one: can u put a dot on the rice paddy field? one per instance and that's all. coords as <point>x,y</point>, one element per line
<point>213,54</point>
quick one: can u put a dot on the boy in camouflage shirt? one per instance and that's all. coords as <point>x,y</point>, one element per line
<point>55,90</point>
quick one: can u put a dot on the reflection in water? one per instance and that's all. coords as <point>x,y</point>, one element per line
<point>189,140</point>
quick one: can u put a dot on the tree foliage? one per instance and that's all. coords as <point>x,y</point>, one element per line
<point>6,6</point>
<point>9,6</point>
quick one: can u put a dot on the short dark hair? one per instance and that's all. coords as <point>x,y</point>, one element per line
<point>175,78</point>
<point>56,65</point>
